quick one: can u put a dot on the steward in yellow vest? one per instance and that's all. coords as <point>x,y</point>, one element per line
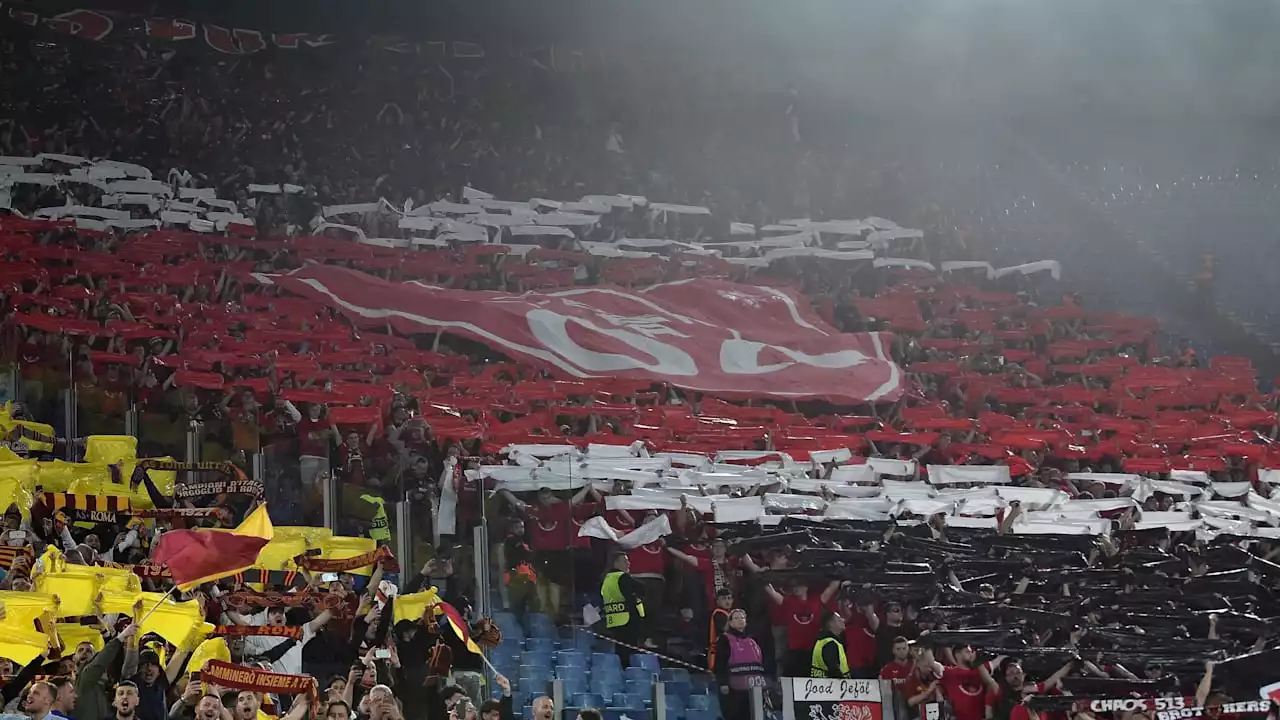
<point>829,658</point>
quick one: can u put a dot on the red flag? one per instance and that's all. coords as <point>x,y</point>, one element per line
<point>199,556</point>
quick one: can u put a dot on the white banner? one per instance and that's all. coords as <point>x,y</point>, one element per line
<point>649,532</point>
<point>956,474</point>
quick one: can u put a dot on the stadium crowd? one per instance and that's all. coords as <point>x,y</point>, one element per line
<point>1051,494</point>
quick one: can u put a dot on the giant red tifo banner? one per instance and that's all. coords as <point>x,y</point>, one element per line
<point>705,335</point>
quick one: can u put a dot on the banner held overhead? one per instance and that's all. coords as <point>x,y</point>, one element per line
<point>705,335</point>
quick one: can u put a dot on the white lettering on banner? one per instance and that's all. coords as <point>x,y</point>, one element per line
<point>1131,704</point>
<point>742,357</point>
<point>1250,706</point>
<point>552,330</point>
<point>818,690</point>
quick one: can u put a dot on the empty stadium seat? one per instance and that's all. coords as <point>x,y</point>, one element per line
<point>699,702</point>
<point>599,660</point>
<point>637,687</point>
<point>626,714</point>
<point>630,701</point>
<point>590,700</point>
<point>639,674</point>
<point>678,689</point>
<point>540,645</point>
<point>539,625</point>
<point>644,660</point>
<point>674,674</point>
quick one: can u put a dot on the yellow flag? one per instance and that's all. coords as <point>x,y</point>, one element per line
<point>214,648</point>
<point>41,428</point>
<point>176,622</point>
<point>22,645</point>
<point>72,634</point>
<point>22,609</point>
<point>50,561</point>
<point>340,548</point>
<point>280,552</point>
<point>414,605</point>
<point>76,593</point>
<point>108,449</point>
<point>120,602</point>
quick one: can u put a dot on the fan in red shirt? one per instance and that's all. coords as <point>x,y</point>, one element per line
<point>551,534</point>
<point>860,636</point>
<point>923,684</point>
<point>965,686</point>
<point>1212,701</point>
<point>719,572</point>
<point>803,612</point>
<point>900,667</point>
<point>1005,701</point>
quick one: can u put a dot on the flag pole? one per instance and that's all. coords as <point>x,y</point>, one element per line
<point>155,607</point>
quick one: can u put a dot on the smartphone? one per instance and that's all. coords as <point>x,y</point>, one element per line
<point>462,707</point>
<point>195,676</point>
<point>382,654</point>
<point>329,577</point>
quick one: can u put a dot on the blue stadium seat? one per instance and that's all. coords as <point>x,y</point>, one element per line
<point>639,674</point>
<point>639,687</point>
<point>566,672</point>
<point>589,700</point>
<point>701,714</point>
<point>632,701</point>
<point>536,666</point>
<point>699,702</point>
<point>539,625</point>
<point>606,686</point>
<point>676,703</point>
<point>570,713</point>
<point>599,660</point>
<point>576,685</point>
<point>625,714</point>
<point>534,685</point>
<point>571,657</point>
<point>674,675</point>
<point>583,641</point>
<point>644,660</point>
<point>540,645</point>
<point>678,689</point>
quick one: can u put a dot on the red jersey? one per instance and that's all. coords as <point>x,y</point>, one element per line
<point>912,686</point>
<point>898,673</point>
<point>859,642</point>
<point>648,560</point>
<point>803,615</point>
<point>551,526</point>
<point>717,575</point>
<point>1019,711</point>
<point>317,446</point>
<point>965,691</point>
<point>581,513</point>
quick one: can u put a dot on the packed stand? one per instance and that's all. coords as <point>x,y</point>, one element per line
<point>1044,458</point>
<point>1015,401</point>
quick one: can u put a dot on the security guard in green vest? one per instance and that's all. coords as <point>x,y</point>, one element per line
<point>829,659</point>
<point>623,606</point>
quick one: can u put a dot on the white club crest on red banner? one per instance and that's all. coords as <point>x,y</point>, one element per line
<point>705,335</point>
